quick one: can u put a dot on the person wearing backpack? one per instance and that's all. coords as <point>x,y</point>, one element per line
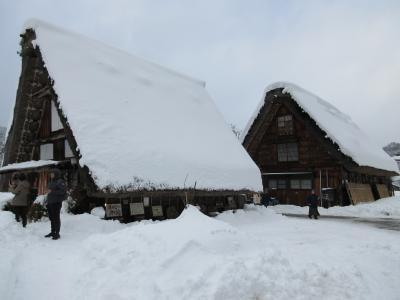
<point>56,195</point>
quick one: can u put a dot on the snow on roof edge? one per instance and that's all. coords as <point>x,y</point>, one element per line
<point>34,23</point>
<point>28,165</point>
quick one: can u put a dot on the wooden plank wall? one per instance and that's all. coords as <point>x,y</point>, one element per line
<point>359,192</point>
<point>44,178</point>
<point>382,191</point>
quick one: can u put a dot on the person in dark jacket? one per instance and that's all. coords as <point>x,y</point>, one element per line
<point>265,198</point>
<point>312,201</point>
<point>56,195</point>
<point>21,188</point>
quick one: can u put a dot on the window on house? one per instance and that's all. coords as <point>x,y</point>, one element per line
<point>300,184</point>
<point>285,125</point>
<point>68,150</point>
<point>306,184</point>
<point>288,152</point>
<point>46,152</point>
<point>55,118</point>
<point>295,184</point>
<point>281,184</point>
<point>272,184</point>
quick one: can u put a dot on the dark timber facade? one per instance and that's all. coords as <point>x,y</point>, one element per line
<point>295,156</point>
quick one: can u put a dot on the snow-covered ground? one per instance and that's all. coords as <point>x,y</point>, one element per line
<point>251,254</point>
<point>383,208</point>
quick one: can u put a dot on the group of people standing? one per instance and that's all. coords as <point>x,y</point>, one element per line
<point>20,204</point>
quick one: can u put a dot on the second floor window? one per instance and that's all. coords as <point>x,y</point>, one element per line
<point>288,152</point>
<point>285,125</point>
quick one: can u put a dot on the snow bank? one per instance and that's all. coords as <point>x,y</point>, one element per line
<point>251,254</point>
<point>98,212</point>
<point>135,121</point>
<point>339,127</point>
<point>383,208</point>
<point>4,198</point>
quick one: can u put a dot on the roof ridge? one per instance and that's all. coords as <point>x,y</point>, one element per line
<point>34,23</point>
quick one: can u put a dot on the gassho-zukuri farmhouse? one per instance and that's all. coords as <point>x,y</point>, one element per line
<point>140,138</point>
<point>301,142</point>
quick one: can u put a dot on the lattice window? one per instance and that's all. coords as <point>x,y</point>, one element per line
<point>300,184</point>
<point>306,184</point>
<point>285,125</point>
<point>282,184</point>
<point>288,152</point>
<point>295,184</point>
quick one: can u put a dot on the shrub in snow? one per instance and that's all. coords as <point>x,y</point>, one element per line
<point>5,198</point>
<point>37,211</point>
<point>71,204</point>
<point>6,206</point>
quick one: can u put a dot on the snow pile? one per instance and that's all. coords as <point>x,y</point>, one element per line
<point>28,165</point>
<point>251,254</point>
<point>41,199</point>
<point>98,212</point>
<point>383,208</point>
<point>135,121</point>
<point>4,198</point>
<point>339,127</point>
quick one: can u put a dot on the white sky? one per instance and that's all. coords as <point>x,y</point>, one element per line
<point>347,53</point>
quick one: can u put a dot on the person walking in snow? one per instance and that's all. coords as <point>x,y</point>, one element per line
<point>56,195</point>
<point>21,188</point>
<point>312,201</point>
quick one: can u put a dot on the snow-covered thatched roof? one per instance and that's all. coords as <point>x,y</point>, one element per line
<point>339,127</point>
<point>133,119</point>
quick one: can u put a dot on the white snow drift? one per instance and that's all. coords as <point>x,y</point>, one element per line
<point>251,254</point>
<point>134,119</point>
<point>382,208</point>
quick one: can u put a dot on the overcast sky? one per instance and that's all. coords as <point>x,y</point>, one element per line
<point>347,52</point>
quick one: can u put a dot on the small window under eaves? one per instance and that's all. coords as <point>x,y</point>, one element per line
<point>56,123</point>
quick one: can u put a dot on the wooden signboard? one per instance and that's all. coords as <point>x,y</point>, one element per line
<point>382,191</point>
<point>359,192</point>
<point>136,208</point>
<point>157,211</point>
<point>113,210</point>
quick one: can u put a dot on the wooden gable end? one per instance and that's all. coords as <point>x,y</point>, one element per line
<point>37,120</point>
<point>314,150</point>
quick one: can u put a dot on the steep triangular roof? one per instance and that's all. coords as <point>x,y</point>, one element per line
<point>339,127</point>
<point>134,120</point>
